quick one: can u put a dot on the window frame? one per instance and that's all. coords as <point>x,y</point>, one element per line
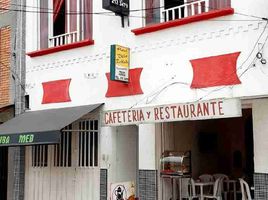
<point>84,31</point>
<point>218,3</point>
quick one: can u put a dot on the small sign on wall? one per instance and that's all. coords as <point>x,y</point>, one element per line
<point>122,191</point>
<point>119,64</point>
<point>120,7</point>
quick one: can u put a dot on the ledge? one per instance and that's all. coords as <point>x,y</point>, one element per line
<point>187,20</point>
<point>60,48</point>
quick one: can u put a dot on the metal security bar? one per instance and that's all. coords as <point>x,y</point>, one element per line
<point>88,143</point>
<point>39,155</point>
<point>63,151</point>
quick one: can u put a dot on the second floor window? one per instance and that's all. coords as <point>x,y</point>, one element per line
<point>166,10</point>
<point>70,21</point>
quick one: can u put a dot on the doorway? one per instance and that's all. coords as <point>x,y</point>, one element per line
<point>217,146</point>
<point>3,172</point>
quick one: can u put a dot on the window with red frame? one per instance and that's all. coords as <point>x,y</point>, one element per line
<point>166,10</point>
<point>70,22</point>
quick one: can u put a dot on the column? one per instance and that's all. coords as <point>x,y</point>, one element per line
<point>148,176</point>
<point>260,134</point>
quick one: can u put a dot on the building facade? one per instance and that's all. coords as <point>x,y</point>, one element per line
<point>196,82</point>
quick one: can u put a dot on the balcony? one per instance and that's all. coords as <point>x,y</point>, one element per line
<point>185,10</point>
<point>63,39</point>
<point>194,11</point>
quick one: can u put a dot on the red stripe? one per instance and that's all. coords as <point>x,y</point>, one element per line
<point>61,48</point>
<point>187,20</point>
<point>117,88</point>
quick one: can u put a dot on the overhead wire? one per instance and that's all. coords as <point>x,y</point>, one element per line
<point>158,92</point>
<point>51,11</point>
<point>240,67</point>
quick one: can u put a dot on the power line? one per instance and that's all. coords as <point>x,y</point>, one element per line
<point>51,11</point>
<point>155,94</point>
<point>248,67</point>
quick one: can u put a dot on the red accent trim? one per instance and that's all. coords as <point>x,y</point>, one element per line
<point>117,88</point>
<point>61,48</point>
<point>215,71</point>
<point>56,91</point>
<point>187,20</point>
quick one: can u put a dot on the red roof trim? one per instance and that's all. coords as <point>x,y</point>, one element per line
<point>187,20</point>
<point>61,48</point>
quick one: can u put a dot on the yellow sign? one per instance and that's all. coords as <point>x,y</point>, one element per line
<point>122,56</point>
<point>119,63</point>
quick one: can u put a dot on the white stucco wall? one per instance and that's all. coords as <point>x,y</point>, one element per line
<point>147,148</point>
<point>167,73</point>
<point>119,153</point>
<point>260,128</point>
<point>163,55</point>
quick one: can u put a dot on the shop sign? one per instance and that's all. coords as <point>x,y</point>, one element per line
<point>119,64</point>
<point>212,109</point>
<point>29,139</point>
<point>120,7</point>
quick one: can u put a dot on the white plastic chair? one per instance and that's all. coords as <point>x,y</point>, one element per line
<point>216,191</point>
<point>245,190</point>
<point>206,178</point>
<point>186,191</point>
<point>223,177</point>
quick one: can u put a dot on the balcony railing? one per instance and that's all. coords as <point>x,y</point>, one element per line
<point>66,38</point>
<point>185,10</point>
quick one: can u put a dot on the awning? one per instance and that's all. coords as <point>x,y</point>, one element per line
<point>40,127</point>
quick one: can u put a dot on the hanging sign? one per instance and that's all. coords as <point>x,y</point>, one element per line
<point>120,7</point>
<point>119,63</point>
<point>212,109</point>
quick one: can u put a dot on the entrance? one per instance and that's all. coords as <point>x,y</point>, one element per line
<point>3,172</point>
<point>217,146</point>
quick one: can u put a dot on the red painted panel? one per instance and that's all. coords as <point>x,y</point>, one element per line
<point>215,71</point>
<point>56,91</point>
<point>116,88</point>
<point>186,20</point>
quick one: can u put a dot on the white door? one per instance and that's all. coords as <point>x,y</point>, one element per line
<point>68,171</point>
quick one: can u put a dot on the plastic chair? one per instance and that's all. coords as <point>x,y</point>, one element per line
<point>186,191</point>
<point>223,177</point>
<point>206,178</point>
<point>216,176</point>
<point>216,190</point>
<point>245,190</point>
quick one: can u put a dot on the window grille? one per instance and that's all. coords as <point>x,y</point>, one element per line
<point>39,155</point>
<point>81,135</point>
<point>63,151</point>
<point>88,143</point>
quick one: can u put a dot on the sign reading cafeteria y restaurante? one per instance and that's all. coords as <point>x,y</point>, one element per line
<point>212,109</point>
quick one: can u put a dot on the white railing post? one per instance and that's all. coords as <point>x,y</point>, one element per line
<point>206,5</point>
<point>192,9</point>
<point>186,14</point>
<point>199,7</point>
